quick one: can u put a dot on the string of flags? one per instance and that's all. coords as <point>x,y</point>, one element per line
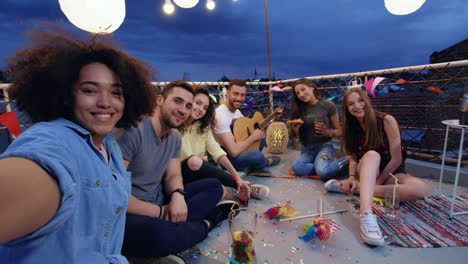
<point>10,121</point>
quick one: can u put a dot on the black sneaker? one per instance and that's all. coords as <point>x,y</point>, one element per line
<point>221,212</point>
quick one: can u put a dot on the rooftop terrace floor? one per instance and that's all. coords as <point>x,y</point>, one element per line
<point>278,243</point>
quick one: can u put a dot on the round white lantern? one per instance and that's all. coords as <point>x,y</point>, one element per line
<point>96,16</point>
<point>168,7</point>
<point>403,7</point>
<point>210,4</point>
<point>186,3</point>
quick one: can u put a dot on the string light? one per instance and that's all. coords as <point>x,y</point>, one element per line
<point>168,7</point>
<point>210,4</point>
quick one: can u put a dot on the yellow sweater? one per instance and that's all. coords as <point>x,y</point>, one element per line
<point>198,144</point>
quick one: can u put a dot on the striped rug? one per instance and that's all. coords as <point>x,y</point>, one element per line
<point>425,223</point>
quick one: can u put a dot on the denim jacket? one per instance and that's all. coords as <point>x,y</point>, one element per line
<point>89,225</point>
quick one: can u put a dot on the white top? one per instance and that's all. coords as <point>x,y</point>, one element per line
<point>224,118</point>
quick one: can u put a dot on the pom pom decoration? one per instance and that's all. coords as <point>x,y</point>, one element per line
<point>321,227</point>
<point>280,212</point>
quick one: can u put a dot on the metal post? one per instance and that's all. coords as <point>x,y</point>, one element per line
<point>265,5</point>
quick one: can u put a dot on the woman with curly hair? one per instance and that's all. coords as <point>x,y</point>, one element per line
<point>64,188</point>
<point>375,149</point>
<point>198,140</point>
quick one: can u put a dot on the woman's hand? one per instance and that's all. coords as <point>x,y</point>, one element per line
<point>295,125</point>
<point>321,129</point>
<point>243,184</point>
<point>350,185</point>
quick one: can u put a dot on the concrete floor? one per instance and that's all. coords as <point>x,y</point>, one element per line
<point>277,243</point>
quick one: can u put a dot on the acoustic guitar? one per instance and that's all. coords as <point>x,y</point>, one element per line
<point>243,127</point>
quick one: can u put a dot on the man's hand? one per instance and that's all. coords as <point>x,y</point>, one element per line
<point>258,134</point>
<point>350,185</point>
<point>177,209</point>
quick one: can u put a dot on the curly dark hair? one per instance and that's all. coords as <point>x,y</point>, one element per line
<point>44,73</point>
<point>299,108</point>
<point>208,120</point>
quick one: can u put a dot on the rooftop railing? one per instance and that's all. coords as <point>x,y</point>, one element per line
<point>419,97</point>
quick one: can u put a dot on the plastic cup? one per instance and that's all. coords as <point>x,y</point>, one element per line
<point>242,225</point>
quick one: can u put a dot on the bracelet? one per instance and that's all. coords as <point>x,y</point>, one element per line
<point>160,211</point>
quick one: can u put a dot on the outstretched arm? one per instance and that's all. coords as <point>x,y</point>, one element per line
<point>29,198</point>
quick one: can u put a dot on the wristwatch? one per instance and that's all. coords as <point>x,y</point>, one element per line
<point>179,190</point>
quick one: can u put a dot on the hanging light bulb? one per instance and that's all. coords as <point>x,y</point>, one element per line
<point>168,7</point>
<point>101,17</point>
<point>403,7</point>
<point>186,3</point>
<point>210,4</point>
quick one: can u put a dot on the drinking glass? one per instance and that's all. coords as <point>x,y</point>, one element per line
<point>242,224</point>
<point>392,203</point>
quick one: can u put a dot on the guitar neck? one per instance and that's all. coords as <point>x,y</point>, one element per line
<point>267,120</point>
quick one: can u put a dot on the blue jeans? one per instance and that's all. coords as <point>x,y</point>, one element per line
<point>155,237</point>
<point>250,159</point>
<point>319,160</point>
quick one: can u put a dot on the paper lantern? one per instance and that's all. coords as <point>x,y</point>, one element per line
<point>186,3</point>
<point>168,7</point>
<point>277,137</point>
<point>96,16</point>
<point>403,7</point>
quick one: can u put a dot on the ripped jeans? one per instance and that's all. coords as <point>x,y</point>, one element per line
<point>319,160</point>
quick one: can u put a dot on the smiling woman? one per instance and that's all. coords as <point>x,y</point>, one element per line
<point>68,163</point>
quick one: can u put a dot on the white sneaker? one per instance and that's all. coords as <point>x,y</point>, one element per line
<point>259,191</point>
<point>370,230</point>
<point>171,259</point>
<point>333,186</point>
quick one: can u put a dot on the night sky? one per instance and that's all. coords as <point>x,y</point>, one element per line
<point>308,37</point>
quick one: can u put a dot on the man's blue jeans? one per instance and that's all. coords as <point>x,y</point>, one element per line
<point>251,159</point>
<point>319,160</point>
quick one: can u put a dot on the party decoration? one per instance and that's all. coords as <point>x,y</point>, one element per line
<point>331,98</point>
<point>436,90</point>
<point>403,7</point>
<point>372,83</point>
<point>287,88</point>
<point>243,250</point>
<point>186,3</point>
<point>280,212</point>
<point>10,121</point>
<point>214,98</point>
<point>264,91</point>
<point>100,17</point>
<point>402,81</point>
<point>275,88</point>
<point>321,227</point>
<point>249,106</point>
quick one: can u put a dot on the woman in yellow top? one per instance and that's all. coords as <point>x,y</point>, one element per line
<point>198,140</point>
